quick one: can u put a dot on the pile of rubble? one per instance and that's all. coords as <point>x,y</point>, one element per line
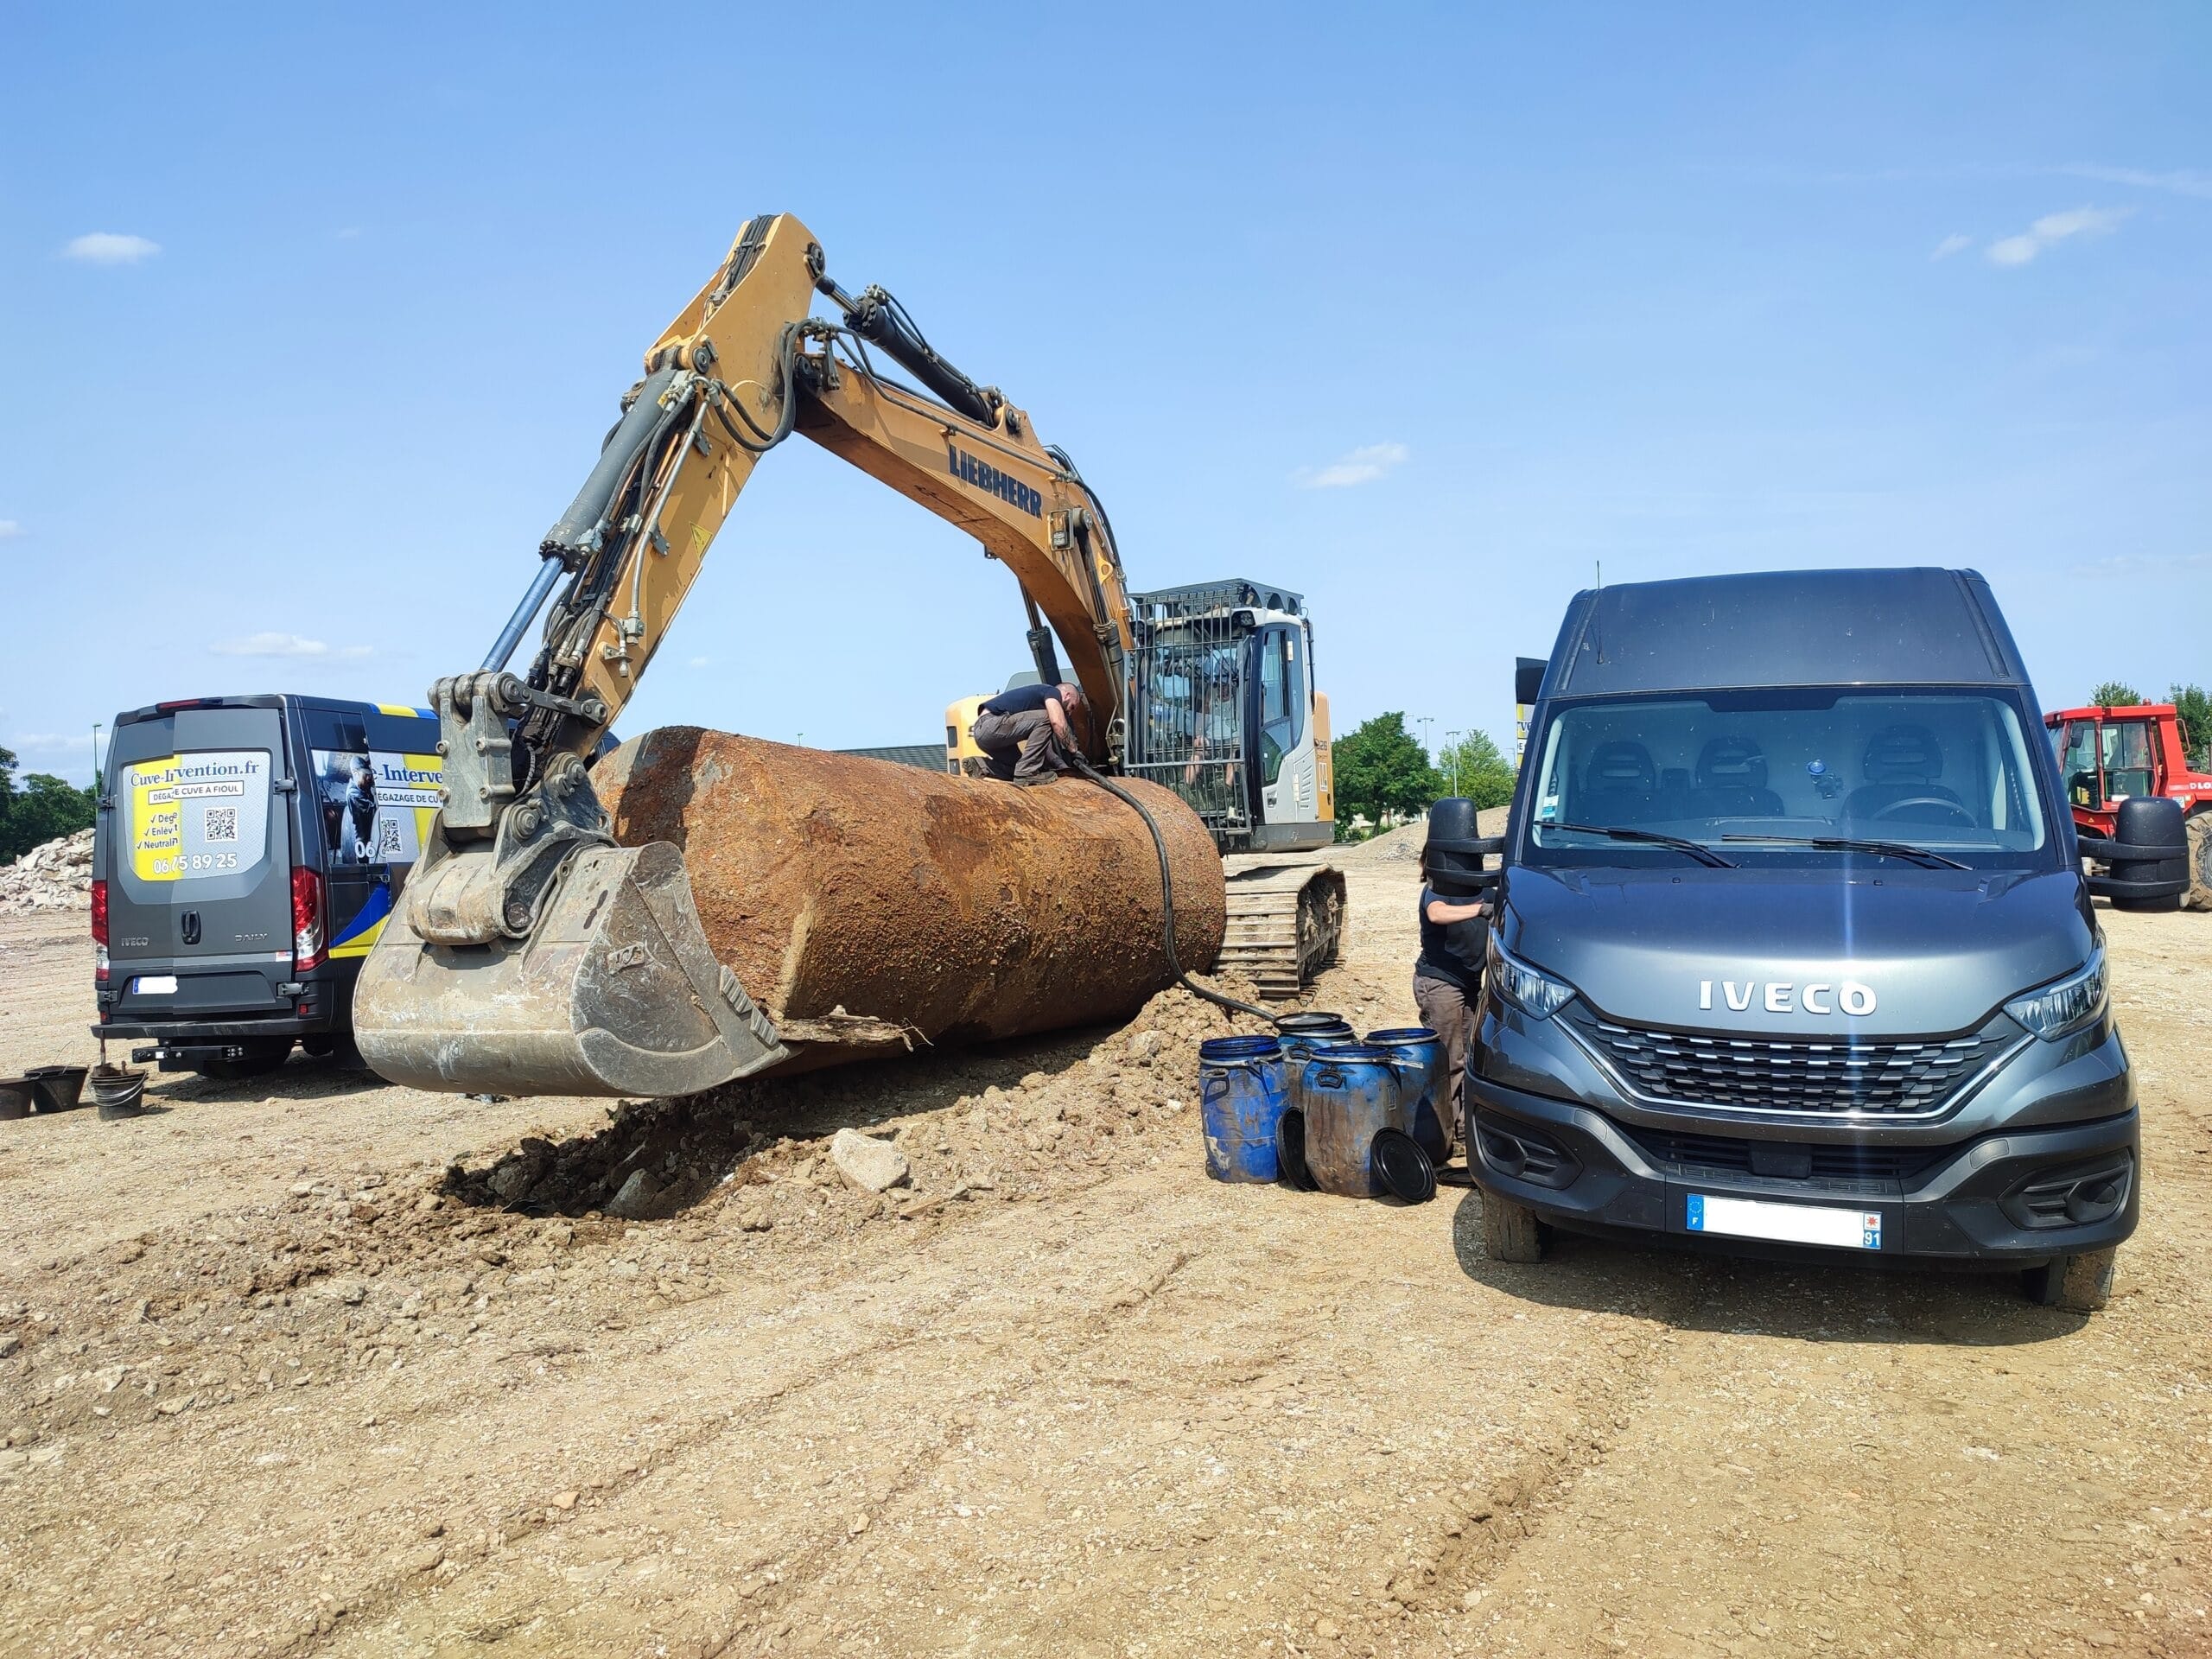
<point>56,876</point>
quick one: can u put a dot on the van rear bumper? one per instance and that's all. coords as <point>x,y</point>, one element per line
<point>1985,1199</point>
<point>185,1033</point>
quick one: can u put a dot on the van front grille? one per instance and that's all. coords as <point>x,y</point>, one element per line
<point>1792,1077</point>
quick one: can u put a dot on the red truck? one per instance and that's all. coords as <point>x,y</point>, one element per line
<point>2108,755</point>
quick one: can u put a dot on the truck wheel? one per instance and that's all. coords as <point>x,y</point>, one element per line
<point>1510,1231</point>
<point>2074,1284</point>
<point>2200,862</point>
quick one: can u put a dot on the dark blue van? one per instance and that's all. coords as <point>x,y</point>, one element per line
<point>247,853</point>
<point>1793,952</point>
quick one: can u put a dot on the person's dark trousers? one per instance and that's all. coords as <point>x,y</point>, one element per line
<point>1449,1011</point>
<point>1019,746</point>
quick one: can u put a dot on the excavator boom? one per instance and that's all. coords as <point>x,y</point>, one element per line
<point>529,951</point>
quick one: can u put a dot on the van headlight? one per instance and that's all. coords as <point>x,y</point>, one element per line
<point>1529,990</point>
<point>2067,1005</point>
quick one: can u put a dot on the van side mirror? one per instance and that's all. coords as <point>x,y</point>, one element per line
<point>1527,678</point>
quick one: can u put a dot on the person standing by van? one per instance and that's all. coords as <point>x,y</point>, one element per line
<point>1448,974</point>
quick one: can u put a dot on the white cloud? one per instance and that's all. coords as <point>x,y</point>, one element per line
<point>2132,564</point>
<point>2054,228</point>
<point>9,530</point>
<point>2181,182</point>
<point>700,662</point>
<point>270,645</point>
<point>109,248</point>
<point>1361,466</point>
<point>1950,245</point>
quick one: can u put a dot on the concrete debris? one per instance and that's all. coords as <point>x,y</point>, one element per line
<point>873,1165</point>
<point>55,876</point>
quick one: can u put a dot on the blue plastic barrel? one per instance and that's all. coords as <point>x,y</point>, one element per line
<point>1302,1032</point>
<point>1418,1053</point>
<point>1240,1101</point>
<point>1348,1092</point>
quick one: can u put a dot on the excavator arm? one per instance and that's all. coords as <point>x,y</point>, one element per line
<point>528,952</point>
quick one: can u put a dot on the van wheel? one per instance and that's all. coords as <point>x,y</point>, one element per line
<point>2073,1284</point>
<point>1510,1231</point>
<point>2200,861</point>
<point>263,1055</point>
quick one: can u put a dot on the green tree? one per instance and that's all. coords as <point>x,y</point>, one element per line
<point>2194,704</point>
<point>2113,694</point>
<point>1380,770</point>
<point>1474,768</point>
<point>41,809</point>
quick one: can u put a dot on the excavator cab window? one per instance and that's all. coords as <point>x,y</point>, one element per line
<point>1282,698</point>
<point>2077,763</point>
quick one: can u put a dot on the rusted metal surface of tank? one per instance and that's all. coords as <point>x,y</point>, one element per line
<point>951,908</point>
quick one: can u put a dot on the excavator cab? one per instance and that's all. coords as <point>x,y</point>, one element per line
<point>1225,713</point>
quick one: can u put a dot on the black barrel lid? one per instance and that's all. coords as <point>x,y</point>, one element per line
<point>1404,1166</point>
<point>1290,1151</point>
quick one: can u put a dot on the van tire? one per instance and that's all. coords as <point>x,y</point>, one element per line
<point>2200,860</point>
<point>263,1055</point>
<point>1510,1231</point>
<point>2074,1284</point>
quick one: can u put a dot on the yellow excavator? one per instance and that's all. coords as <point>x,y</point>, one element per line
<point>530,954</point>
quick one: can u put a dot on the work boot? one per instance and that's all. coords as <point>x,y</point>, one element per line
<point>1035,777</point>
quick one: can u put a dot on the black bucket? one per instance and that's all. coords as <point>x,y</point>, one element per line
<point>17,1096</point>
<point>1454,849</point>
<point>120,1090</point>
<point>2147,857</point>
<point>61,1088</point>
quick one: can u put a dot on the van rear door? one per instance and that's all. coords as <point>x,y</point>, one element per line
<point>199,876</point>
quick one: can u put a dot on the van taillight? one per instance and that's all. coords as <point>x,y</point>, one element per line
<point>307,920</point>
<point>99,931</point>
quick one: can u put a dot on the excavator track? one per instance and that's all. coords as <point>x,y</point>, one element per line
<point>1286,922</point>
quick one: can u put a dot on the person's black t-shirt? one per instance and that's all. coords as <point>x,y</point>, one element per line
<point>1022,700</point>
<point>1452,951</point>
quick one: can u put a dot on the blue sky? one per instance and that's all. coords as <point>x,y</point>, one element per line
<point>311,322</point>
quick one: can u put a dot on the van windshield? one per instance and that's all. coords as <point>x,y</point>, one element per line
<point>1947,771</point>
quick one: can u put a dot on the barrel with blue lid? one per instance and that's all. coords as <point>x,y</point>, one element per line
<point>1240,1094</point>
<point>1302,1034</point>
<point>1347,1091</point>
<point>1418,1053</point>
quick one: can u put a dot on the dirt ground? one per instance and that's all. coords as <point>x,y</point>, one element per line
<point>285,1373</point>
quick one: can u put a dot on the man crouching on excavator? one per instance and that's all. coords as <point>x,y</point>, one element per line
<point>1025,734</point>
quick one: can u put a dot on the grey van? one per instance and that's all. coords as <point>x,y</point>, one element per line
<point>247,851</point>
<point>1794,953</point>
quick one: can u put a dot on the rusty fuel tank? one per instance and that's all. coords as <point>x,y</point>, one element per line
<point>856,900</point>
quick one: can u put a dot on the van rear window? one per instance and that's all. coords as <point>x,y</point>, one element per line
<point>196,815</point>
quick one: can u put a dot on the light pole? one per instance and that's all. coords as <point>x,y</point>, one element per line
<point>96,756</point>
<point>1424,721</point>
<point>1452,748</point>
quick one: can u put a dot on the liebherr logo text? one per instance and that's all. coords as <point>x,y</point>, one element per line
<point>984,476</point>
<point>1784,997</point>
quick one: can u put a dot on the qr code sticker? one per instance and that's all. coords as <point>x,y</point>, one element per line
<point>221,823</point>
<point>387,838</point>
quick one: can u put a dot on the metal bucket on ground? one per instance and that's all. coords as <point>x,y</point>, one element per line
<point>120,1090</point>
<point>1418,1053</point>
<point>18,1096</point>
<point>1240,1104</point>
<point>1346,1091</point>
<point>61,1088</point>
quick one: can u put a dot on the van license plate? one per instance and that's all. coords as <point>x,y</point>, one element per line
<point>1786,1223</point>
<point>155,985</point>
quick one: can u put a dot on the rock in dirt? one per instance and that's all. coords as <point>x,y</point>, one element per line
<point>871,1165</point>
<point>635,1199</point>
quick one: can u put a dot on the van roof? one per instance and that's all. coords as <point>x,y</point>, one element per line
<point>270,700</point>
<point>1910,626</point>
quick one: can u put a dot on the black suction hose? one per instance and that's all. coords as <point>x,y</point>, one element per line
<point>1166,896</point>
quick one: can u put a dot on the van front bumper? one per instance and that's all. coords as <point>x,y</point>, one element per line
<point>2000,1197</point>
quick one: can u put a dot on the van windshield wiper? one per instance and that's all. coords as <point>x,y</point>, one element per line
<point>1919,855</point>
<point>1696,849</point>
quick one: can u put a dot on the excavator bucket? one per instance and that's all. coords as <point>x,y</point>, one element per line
<point>614,992</point>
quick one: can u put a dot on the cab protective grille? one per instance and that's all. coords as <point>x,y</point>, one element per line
<point>1911,1078</point>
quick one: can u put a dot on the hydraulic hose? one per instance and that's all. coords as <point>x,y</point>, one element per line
<point>1166,896</point>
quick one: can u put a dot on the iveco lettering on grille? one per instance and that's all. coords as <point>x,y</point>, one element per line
<point>1780,996</point>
